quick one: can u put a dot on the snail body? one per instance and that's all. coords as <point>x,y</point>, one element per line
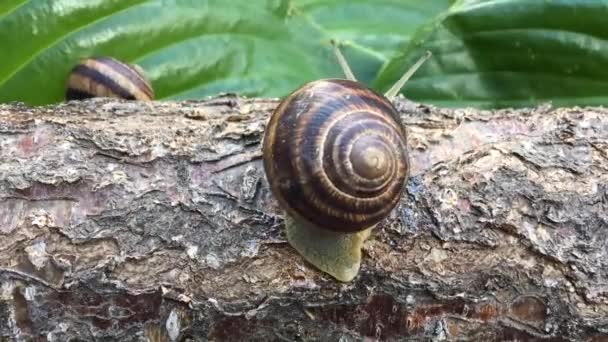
<point>335,156</point>
<point>107,77</point>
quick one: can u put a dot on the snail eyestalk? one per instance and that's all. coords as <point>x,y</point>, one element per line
<point>396,88</point>
<point>343,63</point>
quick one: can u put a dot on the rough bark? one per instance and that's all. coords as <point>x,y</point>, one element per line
<point>153,221</point>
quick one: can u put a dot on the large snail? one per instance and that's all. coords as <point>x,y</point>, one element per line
<point>336,159</point>
<point>107,77</point>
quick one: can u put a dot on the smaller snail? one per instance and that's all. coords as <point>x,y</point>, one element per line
<point>335,156</point>
<point>107,77</point>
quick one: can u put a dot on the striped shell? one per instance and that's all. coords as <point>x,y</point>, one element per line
<point>107,77</point>
<point>335,155</point>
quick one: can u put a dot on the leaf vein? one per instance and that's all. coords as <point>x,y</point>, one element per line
<point>13,9</point>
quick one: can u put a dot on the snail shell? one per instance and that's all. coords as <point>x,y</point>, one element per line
<point>107,77</point>
<point>335,155</point>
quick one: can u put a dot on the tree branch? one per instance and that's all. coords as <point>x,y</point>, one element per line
<point>124,220</point>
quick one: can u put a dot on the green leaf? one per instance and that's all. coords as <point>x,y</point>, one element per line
<point>191,49</point>
<point>509,53</point>
<point>188,49</point>
<point>371,31</point>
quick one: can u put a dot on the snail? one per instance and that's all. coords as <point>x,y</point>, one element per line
<point>335,157</point>
<point>107,77</point>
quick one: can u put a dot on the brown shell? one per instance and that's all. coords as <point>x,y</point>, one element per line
<point>107,77</point>
<point>335,155</point>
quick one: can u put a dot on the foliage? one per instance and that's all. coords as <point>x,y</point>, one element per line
<point>485,53</point>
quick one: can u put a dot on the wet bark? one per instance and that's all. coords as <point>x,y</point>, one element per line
<point>153,221</point>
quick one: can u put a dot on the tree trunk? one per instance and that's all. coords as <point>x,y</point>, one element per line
<point>153,221</point>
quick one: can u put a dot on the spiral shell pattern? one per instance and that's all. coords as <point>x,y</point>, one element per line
<point>335,155</point>
<point>107,77</point>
